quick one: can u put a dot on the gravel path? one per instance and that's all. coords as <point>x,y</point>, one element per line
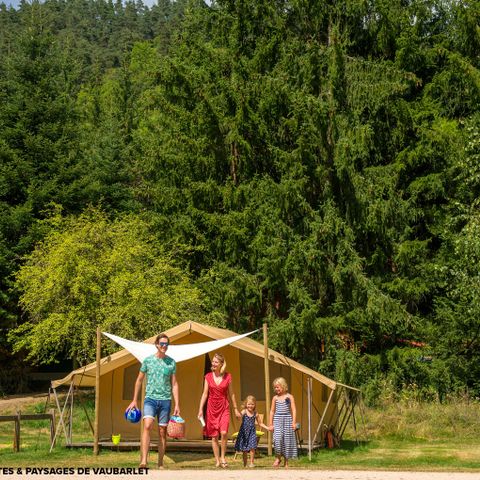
<point>257,474</point>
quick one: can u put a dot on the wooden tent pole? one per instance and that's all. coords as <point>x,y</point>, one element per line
<point>309,391</point>
<point>267,386</point>
<point>97,393</point>
<point>70,426</point>
<point>142,402</point>
<point>343,426</point>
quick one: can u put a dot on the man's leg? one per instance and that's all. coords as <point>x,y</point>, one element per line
<point>145,443</point>
<point>162,443</point>
<point>163,418</point>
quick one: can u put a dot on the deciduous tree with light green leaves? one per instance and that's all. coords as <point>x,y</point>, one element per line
<point>92,271</point>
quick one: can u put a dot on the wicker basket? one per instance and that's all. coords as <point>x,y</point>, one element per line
<point>176,427</point>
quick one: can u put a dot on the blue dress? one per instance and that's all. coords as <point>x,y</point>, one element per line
<point>247,435</point>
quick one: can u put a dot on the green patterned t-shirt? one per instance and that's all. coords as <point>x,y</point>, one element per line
<point>159,373</point>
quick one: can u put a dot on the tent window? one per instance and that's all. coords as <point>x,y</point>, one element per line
<point>252,381</point>
<point>130,374</point>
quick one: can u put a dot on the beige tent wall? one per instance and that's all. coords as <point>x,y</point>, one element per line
<point>105,424</point>
<point>299,389</point>
<point>113,403</point>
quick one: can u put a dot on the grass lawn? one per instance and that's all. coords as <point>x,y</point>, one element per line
<point>393,454</point>
<point>433,437</point>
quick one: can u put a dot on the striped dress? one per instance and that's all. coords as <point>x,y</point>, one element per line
<point>284,440</point>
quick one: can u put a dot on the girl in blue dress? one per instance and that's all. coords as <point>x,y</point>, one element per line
<point>247,435</point>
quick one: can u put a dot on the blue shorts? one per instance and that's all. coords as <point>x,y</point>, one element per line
<point>157,408</point>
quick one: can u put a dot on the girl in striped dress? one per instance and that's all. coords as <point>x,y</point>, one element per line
<point>283,414</point>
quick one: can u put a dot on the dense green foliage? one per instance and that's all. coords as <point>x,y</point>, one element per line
<point>91,272</point>
<point>311,164</point>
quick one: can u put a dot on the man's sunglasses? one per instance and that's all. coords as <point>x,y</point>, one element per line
<point>163,344</point>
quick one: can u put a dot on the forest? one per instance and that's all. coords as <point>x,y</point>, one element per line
<point>311,164</point>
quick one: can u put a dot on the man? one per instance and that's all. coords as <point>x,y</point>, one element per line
<point>161,386</point>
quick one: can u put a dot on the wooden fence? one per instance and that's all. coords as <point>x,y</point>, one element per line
<point>31,416</point>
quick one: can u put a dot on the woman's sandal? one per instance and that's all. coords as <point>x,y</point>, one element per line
<point>276,463</point>
<point>224,464</point>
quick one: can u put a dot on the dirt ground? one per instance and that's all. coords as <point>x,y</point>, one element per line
<point>258,474</point>
<point>17,401</point>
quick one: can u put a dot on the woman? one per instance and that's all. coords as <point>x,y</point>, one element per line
<point>217,388</point>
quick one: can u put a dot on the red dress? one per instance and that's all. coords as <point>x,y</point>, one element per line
<point>218,411</point>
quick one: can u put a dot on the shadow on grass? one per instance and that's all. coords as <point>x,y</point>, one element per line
<point>352,445</point>
<point>347,446</point>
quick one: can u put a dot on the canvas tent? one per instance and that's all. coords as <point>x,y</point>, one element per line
<point>317,398</point>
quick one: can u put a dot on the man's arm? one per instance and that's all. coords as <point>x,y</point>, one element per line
<point>175,395</point>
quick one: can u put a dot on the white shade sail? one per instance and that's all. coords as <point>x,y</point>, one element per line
<point>179,353</point>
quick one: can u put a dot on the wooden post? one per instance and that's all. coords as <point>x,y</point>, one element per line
<point>97,393</point>
<point>267,386</point>
<point>309,391</point>
<point>142,401</point>
<point>16,438</point>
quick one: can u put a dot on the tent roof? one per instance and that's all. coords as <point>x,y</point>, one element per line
<point>85,376</point>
